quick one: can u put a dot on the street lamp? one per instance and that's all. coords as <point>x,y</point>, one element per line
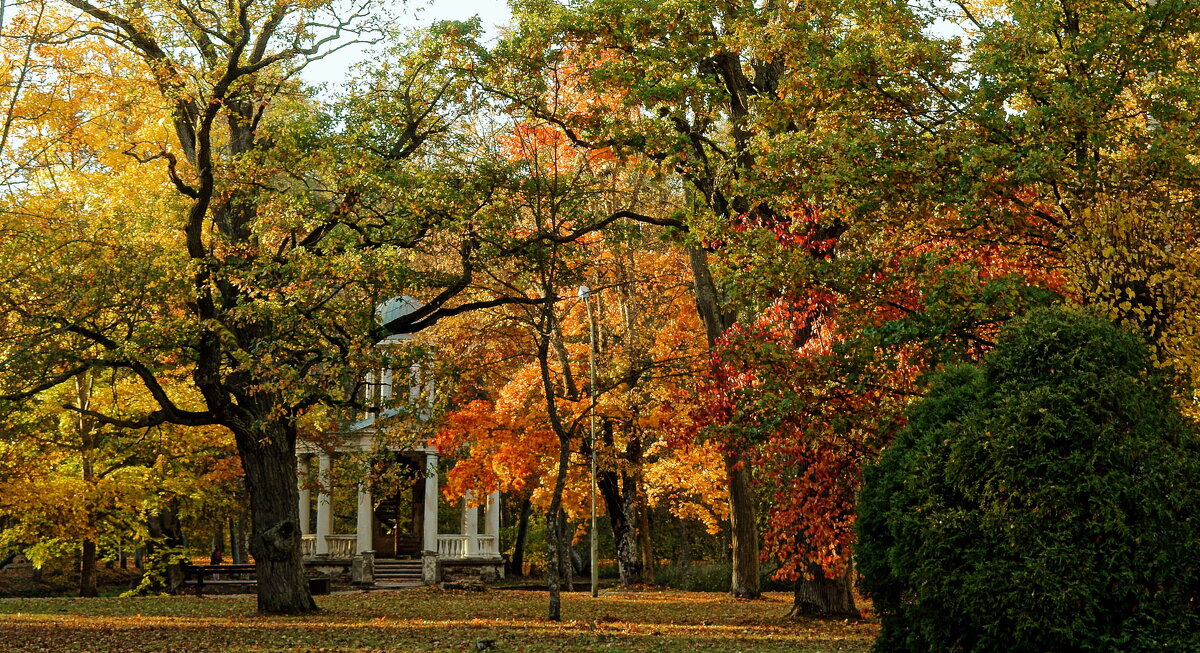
<point>585,294</point>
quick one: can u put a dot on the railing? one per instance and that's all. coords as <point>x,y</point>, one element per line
<point>452,546</point>
<point>340,546</point>
<point>466,546</point>
<point>448,546</point>
<point>485,545</point>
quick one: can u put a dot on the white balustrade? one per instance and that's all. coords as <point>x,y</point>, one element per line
<point>485,545</point>
<point>466,546</point>
<point>452,546</point>
<point>342,546</point>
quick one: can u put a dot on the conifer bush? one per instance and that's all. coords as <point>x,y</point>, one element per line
<point>1045,500</point>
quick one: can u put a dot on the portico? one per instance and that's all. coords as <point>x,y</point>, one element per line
<point>402,523</point>
<point>395,522</point>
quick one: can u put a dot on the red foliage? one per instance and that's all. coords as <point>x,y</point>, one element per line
<point>807,396</point>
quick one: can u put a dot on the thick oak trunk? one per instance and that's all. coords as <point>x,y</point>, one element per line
<point>824,597</point>
<point>269,462</point>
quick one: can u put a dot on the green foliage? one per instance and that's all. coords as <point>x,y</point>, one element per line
<point>156,576</point>
<point>1042,501</point>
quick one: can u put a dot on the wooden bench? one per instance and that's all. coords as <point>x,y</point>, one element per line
<point>201,572</point>
<point>317,586</point>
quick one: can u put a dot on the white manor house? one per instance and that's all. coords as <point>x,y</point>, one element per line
<point>396,539</point>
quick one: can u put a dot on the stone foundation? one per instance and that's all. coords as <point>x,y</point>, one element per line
<point>472,570</point>
<point>337,572</point>
<point>431,570</point>
<point>362,568</point>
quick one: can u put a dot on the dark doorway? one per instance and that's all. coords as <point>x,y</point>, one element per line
<point>400,508</point>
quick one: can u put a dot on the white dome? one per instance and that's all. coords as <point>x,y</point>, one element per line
<point>395,308</point>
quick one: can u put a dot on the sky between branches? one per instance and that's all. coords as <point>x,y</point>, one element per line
<point>494,14</point>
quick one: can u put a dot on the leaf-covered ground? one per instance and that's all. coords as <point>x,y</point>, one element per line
<point>427,620</point>
<point>19,581</point>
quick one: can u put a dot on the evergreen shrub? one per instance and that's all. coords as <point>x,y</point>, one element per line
<point>1045,500</point>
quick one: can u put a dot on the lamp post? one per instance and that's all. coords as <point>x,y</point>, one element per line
<point>585,294</point>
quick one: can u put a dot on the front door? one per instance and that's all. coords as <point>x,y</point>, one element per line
<point>399,514</point>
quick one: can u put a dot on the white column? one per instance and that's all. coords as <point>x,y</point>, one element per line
<point>305,503</point>
<point>324,512</point>
<point>386,383</point>
<point>366,522</point>
<point>491,520</point>
<point>414,377</point>
<point>368,393</point>
<point>430,389</point>
<point>470,523</point>
<point>430,520</point>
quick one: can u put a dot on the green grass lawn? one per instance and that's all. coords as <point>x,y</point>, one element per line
<point>427,620</point>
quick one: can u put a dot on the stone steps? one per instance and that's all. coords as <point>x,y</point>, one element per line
<point>399,573</point>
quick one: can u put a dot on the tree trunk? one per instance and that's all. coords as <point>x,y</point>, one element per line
<point>554,548</point>
<point>88,441</point>
<point>568,557</point>
<point>743,526</point>
<point>217,553</point>
<point>163,571</point>
<point>824,597</point>
<point>87,569</point>
<point>644,536</point>
<point>641,505</point>
<point>618,487</point>
<point>744,532</point>
<point>269,462</point>
<point>233,542</point>
<point>518,557</point>
<point>583,561</point>
<point>237,530</point>
<point>684,562</point>
<point>620,511</point>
